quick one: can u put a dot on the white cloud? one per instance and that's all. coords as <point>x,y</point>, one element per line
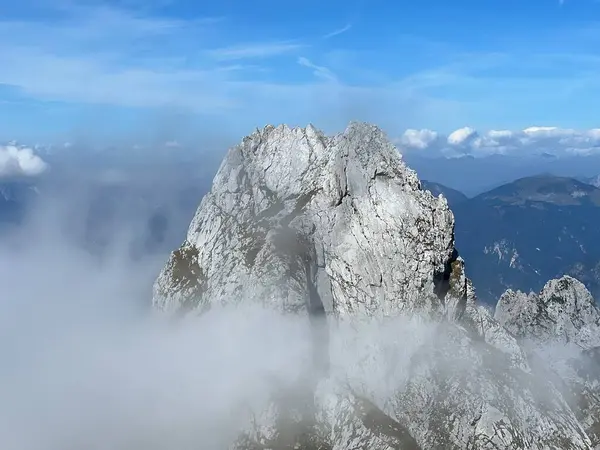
<point>20,161</point>
<point>548,132</point>
<point>534,140</point>
<point>461,136</point>
<point>419,139</point>
<point>594,133</point>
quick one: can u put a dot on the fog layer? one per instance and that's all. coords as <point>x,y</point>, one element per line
<point>86,364</point>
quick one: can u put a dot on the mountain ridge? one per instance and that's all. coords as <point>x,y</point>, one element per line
<point>562,315</point>
<point>338,229</point>
<point>523,233</point>
<point>544,188</point>
<point>453,196</point>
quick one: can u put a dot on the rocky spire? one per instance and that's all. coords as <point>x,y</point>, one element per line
<point>300,221</point>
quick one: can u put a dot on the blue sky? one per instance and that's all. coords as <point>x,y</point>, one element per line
<point>99,69</point>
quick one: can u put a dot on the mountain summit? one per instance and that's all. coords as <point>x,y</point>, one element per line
<point>291,208</point>
<point>337,231</point>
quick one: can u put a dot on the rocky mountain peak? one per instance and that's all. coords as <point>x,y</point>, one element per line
<point>343,215</point>
<point>560,326</point>
<point>563,311</point>
<point>339,227</point>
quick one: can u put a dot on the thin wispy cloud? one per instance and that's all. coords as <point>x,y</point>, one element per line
<point>139,57</point>
<point>338,31</point>
<point>319,71</point>
<point>256,50</point>
<point>68,78</point>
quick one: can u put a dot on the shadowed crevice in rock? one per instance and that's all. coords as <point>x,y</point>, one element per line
<point>318,319</point>
<point>298,247</point>
<point>441,280</point>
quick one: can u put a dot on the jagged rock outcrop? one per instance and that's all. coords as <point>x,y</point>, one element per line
<point>564,311</point>
<point>292,207</point>
<point>560,328</point>
<point>338,230</point>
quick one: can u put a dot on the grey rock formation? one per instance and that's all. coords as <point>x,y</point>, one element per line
<point>560,328</point>
<point>338,231</point>
<point>564,311</point>
<point>343,214</point>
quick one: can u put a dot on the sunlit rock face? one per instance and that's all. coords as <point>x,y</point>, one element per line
<point>291,207</point>
<point>338,231</point>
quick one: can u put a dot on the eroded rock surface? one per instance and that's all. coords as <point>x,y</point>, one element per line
<point>291,207</point>
<point>564,311</point>
<point>338,231</point>
<point>560,328</point>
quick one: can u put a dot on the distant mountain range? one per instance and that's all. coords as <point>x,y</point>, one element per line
<point>523,233</point>
<point>473,176</point>
<point>594,181</point>
<point>453,196</point>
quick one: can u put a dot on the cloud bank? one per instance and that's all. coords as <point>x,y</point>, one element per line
<point>531,141</point>
<point>20,161</point>
<point>86,365</point>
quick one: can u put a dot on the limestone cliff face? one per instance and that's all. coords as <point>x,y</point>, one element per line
<point>339,228</point>
<point>291,209</point>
